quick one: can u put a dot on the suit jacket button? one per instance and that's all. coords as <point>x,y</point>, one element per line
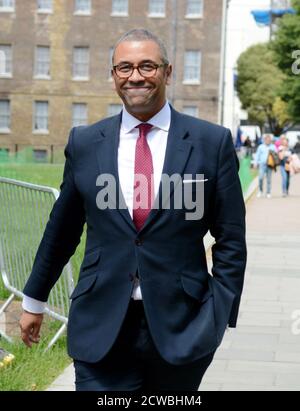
<point>138,241</point>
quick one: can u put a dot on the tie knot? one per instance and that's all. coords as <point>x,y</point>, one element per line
<point>144,129</point>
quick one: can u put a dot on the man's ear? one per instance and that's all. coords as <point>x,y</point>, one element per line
<point>113,80</point>
<point>168,73</point>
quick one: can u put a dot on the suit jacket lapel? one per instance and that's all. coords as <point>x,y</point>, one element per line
<point>107,157</point>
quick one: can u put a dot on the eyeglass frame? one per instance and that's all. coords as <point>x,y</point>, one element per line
<point>137,67</point>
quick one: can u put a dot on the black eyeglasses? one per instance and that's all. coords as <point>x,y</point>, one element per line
<point>125,70</point>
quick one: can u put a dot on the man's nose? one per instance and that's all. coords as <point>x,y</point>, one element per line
<point>136,76</point>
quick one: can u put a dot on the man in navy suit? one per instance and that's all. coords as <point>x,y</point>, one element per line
<point>145,314</point>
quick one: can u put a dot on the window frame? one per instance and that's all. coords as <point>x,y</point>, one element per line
<point>45,10</point>
<point>40,159</point>
<point>155,14</point>
<point>37,75</point>
<point>111,114</point>
<point>87,12</point>
<point>119,13</point>
<point>192,81</point>
<point>77,104</point>
<point>190,106</point>
<point>10,73</point>
<point>8,9</point>
<point>194,15</point>
<point>76,77</point>
<point>6,130</point>
<point>35,122</point>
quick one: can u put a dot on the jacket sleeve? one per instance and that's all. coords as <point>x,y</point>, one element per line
<point>61,236</point>
<point>228,225</point>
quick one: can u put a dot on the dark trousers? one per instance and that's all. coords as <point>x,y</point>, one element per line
<point>134,364</point>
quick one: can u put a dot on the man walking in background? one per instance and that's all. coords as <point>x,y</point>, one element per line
<point>261,158</point>
<point>145,314</point>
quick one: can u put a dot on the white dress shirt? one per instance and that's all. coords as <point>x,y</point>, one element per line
<point>157,140</point>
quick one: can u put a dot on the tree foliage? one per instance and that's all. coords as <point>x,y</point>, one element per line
<point>286,47</point>
<point>258,86</point>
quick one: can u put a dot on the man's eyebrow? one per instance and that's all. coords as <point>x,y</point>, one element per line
<point>123,62</point>
<point>141,62</point>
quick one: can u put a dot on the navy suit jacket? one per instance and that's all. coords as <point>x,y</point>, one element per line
<point>187,309</point>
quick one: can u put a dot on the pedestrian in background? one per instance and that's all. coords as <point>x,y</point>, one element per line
<point>284,154</point>
<point>260,161</point>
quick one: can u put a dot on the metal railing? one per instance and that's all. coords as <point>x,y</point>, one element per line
<point>24,212</point>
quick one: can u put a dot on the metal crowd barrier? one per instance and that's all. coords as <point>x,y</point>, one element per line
<point>24,212</point>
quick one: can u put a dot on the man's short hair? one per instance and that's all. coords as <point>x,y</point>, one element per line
<point>143,35</point>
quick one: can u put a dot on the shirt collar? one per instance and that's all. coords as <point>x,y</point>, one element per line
<point>161,120</point>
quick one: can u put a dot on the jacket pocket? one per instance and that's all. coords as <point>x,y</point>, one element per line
<point>195,288</point>
<point>91,259</point>
<point>83,286</point>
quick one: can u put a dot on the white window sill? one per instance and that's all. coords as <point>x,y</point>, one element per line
<point>80,78</point>
<point>191,82</point>
<point>82,13</point>
<point>41,77</point>
<point>45,11</point>
<point>194,16</point>
<point>7,9</point>
<point>5,75</point>
<point>38,132</point>
<point>119,14</point>
<point>5,131</point>
<point>156,15</point>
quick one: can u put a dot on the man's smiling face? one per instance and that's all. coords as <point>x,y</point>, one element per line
<point>142,96</point>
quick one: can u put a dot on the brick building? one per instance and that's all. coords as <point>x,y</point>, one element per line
<point>55,62</point>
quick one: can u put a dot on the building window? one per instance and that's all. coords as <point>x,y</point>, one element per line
<point>157,8</point>
<point>191,111</point>
<point>79,117</point>
<point>41,117</point>
<point>114,109</point>
<point>42,62</point>
<point>192,67</point>
<point>40,155</point>
<point>119,8</point>
<point>45,6</point>
<point>4,116</point>
<point>7,5</point>
<point>83,7</point>
<point>81,63</point>
<point>194,9</point>
<point>5,61</point>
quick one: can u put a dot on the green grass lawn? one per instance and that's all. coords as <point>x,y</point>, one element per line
<point>44,174</point>
<point>246,173</point>
<point>33,369</point>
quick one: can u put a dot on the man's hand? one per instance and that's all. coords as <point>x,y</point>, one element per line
<point>30,325</point>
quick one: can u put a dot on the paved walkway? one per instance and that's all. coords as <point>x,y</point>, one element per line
<point>262,353</point>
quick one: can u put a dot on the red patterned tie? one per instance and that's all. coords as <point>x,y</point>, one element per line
<point>142,187</point>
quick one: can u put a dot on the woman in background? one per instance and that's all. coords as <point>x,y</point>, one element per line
<point>284,154</point>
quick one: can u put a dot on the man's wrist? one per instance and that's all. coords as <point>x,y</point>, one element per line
<point>33,306</point>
